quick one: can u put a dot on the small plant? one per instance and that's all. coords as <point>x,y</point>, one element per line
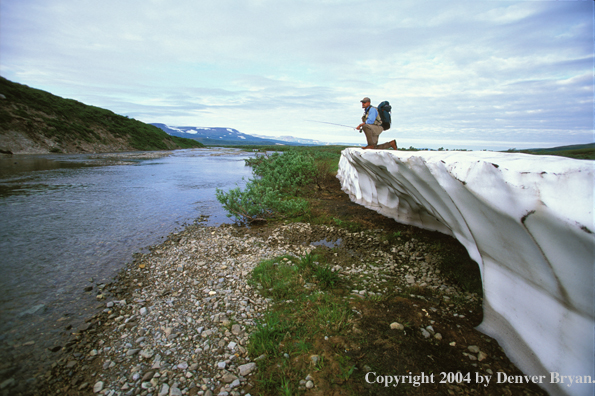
<point>346,367</point>
<point>302,346</point>
<point>320,363</point>
<point>334,316</point>
<point>307,262</point>
<point>267,336</point>
<point>348,225</point>
<point>277,278</point>
<point>326,278</point>
<point>286,387</point>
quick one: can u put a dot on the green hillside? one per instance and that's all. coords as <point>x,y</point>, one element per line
<point>35,121</point>
<point>577,151</point>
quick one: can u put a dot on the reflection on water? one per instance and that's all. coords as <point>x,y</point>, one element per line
<point>69,223</point>
<point>329,244</point>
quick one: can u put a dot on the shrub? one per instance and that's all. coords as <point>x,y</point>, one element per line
<point>274,192</point>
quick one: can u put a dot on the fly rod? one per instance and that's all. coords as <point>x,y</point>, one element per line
<point>332,123</point>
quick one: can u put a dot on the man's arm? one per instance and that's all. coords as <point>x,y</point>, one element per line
<point>372,114</point>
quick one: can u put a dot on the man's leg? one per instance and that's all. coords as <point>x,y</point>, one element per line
<point>372,132</point>
<point>392,144</point>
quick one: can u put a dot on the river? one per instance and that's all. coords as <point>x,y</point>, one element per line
<point>71,222</point>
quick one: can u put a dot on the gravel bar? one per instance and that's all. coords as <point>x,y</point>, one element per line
<point>177,320</point>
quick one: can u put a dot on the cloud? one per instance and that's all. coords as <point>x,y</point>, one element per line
<point>462,69</point>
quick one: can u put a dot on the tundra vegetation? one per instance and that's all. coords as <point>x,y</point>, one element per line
<point>578,151</point>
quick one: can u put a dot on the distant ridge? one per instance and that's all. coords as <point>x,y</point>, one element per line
<point>577,151</point>
<point>561,148</point>
<point>212,136</point>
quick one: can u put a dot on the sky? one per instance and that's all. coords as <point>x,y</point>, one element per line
<point>480,74</point>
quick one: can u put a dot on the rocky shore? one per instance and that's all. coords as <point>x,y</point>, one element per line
<point>177,320</point>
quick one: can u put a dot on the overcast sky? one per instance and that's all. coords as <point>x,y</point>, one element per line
<point>459,74</point>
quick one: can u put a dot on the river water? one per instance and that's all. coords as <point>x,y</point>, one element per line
<point>70,222</point>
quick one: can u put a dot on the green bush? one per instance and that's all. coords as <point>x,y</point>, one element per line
<point>274,193</point>
<point>259,202</point>
<point>286,172</point>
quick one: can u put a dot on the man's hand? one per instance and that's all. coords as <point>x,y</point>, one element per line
<point>359,127</point>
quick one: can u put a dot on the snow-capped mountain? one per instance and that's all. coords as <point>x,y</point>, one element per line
<point>216,135</point>
<point>292,139</point>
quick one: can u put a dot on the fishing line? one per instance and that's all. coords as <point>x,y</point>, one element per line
<point>332,123</point>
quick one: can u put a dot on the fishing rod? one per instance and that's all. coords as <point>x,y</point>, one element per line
<point>332,123</point>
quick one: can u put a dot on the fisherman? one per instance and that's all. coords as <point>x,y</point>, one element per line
<point>372,127</point>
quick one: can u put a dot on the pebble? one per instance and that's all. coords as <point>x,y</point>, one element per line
<point>164,390</point>
<point>175,392</point>
<point>397,326</point>
<point>8,383</point>
<point>132,352</point>
<point>183,366</point>
<point>148,376</point>
<point>227,378</point>
<point>246,369</point>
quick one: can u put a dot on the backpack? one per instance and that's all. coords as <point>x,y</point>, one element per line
<point>384,111</point>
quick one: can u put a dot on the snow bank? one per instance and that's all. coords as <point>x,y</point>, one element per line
<point>526,220</point>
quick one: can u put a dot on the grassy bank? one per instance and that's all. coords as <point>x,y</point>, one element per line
<point>375,297</point>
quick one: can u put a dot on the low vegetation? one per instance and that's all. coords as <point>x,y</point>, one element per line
<point>281,180</point>
<point>579,151</point>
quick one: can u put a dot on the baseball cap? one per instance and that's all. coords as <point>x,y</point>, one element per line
<point>366,99</point>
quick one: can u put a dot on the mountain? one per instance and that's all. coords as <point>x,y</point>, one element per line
<point>33,121</point>
<point>291,139</point>
<point>229,136</point>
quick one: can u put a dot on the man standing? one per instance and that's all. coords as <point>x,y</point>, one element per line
<point>372,127</point>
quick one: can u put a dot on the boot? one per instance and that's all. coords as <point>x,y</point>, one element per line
<point>392,144</point>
